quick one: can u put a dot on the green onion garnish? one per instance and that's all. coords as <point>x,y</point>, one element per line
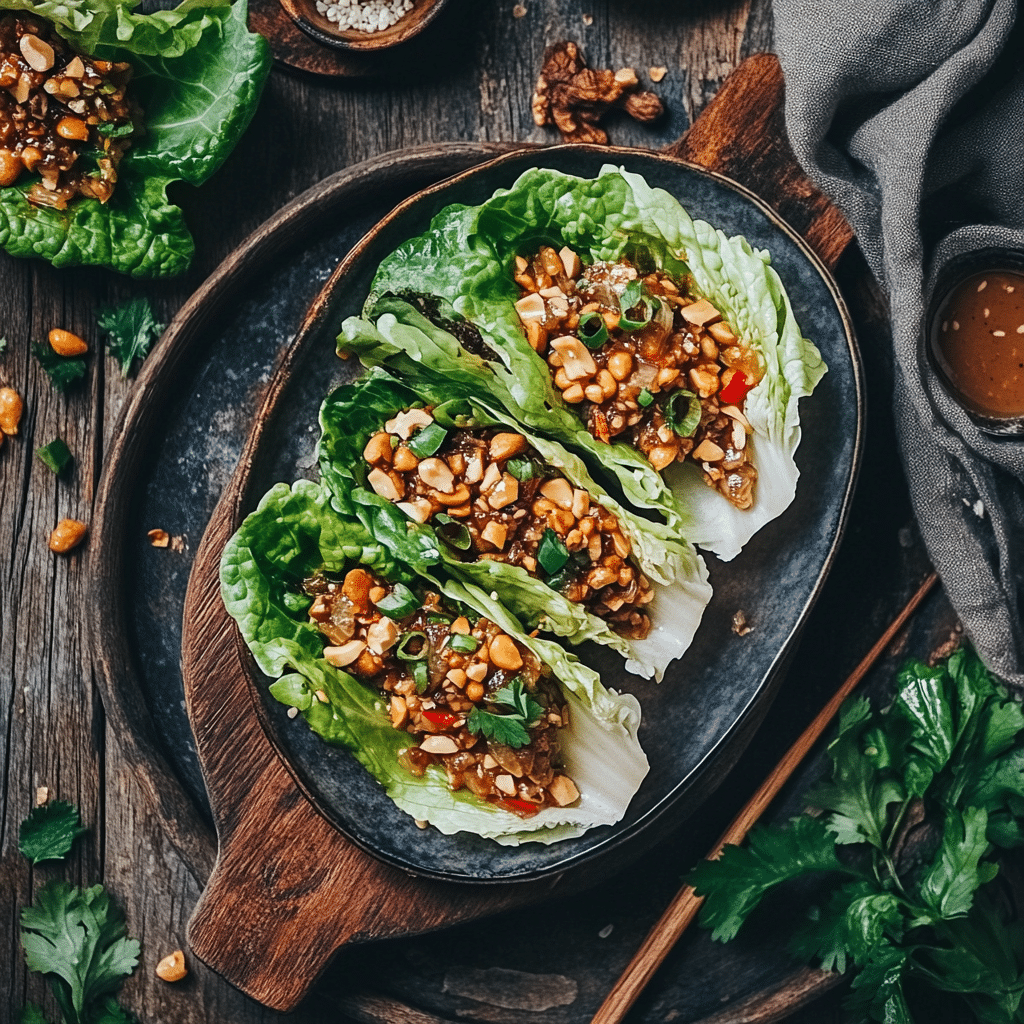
<point>521,468</point>
<point>634,301</point>
<point>593,331</point>
<point>682,413</point>
<point>644,399</point>
<point>427,441</point>
<point>463,643</point>
<point>420,676</point>
<point>399,603</point>
<point>453,532</point>
<point>55,455</point>
<point>403,652</point>
<point>551,552</point>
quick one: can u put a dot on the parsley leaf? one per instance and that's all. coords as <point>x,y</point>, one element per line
<point>131,329</point>
<point>510,730</point>
<point>62,371</point>
<point>48,832</point>
<point>78,936</point>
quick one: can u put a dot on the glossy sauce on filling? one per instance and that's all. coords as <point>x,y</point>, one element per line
<point>978,340</point>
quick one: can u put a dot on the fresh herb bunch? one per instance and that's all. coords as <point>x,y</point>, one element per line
<point>512,729</point>
<point>923,797</point>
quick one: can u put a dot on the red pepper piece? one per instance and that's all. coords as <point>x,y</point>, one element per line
<point>442,719</point>
<point>521,807</point>
<point>735,389</point>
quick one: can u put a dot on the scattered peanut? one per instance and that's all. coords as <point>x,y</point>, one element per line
<point>504,653</point>
<point>172,967</point>
<point>67,534</point>
<point>11,407</point>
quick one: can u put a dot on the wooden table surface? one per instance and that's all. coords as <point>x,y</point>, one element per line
<point>475,85</point>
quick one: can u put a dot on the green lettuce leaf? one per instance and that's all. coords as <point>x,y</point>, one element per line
<point>353,412</point>
<point>295,531</point>
<point>465,258</point>
<point>198,75</point>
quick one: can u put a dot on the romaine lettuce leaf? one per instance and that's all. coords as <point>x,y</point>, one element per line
<point>198,75</point>
<point>353,412</point>
<point>465,259</point>
<point>295,531</point>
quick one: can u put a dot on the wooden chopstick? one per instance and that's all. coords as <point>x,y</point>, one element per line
<point>685,905</point>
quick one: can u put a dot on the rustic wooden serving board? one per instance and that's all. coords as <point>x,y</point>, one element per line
<point>288,890</point>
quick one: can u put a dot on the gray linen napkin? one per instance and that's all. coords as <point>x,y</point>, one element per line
<point>909,115</point>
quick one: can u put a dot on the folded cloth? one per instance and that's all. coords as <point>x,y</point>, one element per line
<point>909,116</point>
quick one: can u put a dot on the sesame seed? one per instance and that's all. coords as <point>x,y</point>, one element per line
<point>999,334</point>
<point>986,312</point>
<point>956,326</point>
<point>293,712</point>
<point>982,286</point>
<point>364,15</point>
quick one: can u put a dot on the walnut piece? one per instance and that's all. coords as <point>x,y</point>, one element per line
<point>574,97</point>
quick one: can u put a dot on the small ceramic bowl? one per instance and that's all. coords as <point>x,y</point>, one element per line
<point>964,387</point>
<point>305,14</point>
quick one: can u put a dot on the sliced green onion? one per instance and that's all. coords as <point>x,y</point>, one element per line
<point>55,455</point>
<point>682,413</point>
<point>399,603</point>
<point>593,331</point>
<point>551,552</point>
<point>521,468</point>
<point>403,652</point>
<point>463,643</point>
<point>633,298</point>
<point>427,441</point>
<point>435,619</point>
<point>420,676</point>
<point>644,399</point>
<point>453,532</point>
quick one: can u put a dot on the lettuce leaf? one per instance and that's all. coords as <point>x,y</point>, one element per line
<point>293,532</point>
<point>465,259</point>
<point>353,412</point>
<point>198,75</point>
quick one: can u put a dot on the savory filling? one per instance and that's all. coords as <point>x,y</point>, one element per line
<point>472,699</point>
<point>492,497</point>
<point>63,116</point>
<point>646,363</point>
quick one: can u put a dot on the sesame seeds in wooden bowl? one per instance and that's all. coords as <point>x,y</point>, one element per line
<point>364,25</point>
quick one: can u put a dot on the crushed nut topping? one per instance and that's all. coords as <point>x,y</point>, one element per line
<point>492,496</point>
<point>472,699</point>
<point>645,362</point>
<point>63,116</point>
<point>574,97</point>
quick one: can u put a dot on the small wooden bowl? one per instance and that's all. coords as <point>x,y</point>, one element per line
<point>317,25</point>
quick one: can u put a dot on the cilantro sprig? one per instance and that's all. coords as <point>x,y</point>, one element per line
<point>921,799</point>
<point>77,937</point>
<point>131,330</point>
<point>511,729</point>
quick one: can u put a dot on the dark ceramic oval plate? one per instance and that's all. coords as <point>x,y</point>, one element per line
<point>698,720</point>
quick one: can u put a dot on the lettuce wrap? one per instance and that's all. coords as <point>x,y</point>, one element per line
<point>465,262</point>
<point>197,74</point>
<point>353,413</point>
<point>294,532</point>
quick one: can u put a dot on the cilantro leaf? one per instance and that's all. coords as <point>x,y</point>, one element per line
<point>48,832</point>
<point>131,329</point>
<point>948,888</point>
<point>55,456</point>
<point>734,884</point>
<point>511,730</point>
<point>859,794</point>
<point>62,371</point>
<point>77,936</point>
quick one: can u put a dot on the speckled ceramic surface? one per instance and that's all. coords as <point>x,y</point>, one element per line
<point>698,720</point>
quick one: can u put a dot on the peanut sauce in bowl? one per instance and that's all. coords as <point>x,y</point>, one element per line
<point>977,345</point>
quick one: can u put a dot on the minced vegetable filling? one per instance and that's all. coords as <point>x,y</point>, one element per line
<point>492,496</point>
<point>63,116</point>
<point>473,699</point>
<point>646,363</point>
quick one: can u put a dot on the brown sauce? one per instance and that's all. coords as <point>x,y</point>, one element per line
<point>978,341</point>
